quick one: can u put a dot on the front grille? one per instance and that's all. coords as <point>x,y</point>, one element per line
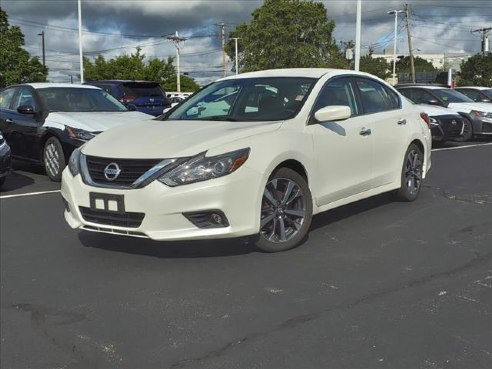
<point>131,169</point>
<point>450,129</point>
<point>111,218</point>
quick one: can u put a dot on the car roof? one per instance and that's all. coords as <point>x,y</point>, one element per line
<point>115,81</point>
<point>428,87</point>
<point>39,85</point>
<point>298,72</point>
<point>475,87</point>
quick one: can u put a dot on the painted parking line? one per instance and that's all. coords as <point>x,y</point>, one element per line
<point>57,191</point>
<point>463,147</point>
<point>28,194</point>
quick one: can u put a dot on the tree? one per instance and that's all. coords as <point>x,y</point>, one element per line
<point>285,34</point>
<point>476,71</point>
<point>134,67</point>
<point>16,64</point>
<point>376,66</point>
<point>421,65</point>
<point>187,84</point>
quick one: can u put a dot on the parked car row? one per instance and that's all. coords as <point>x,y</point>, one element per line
<point>459,117</point>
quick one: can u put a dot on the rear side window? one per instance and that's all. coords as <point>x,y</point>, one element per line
<point>376,97</point>
<point>142,90</point>
<point>6,98</point>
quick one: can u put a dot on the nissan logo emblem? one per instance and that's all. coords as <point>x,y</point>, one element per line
<point>453,122</point>
<point>112,171</point>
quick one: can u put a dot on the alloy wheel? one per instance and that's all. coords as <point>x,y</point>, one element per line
<point>413,171</point>
<point>283,210</point>
<point>52,159</point>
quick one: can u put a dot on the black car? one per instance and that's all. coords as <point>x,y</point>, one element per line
<point>144,96</point>
<point>44,122</point>
<point>4,160</point>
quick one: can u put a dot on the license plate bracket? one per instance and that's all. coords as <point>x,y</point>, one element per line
<point>107,202</point>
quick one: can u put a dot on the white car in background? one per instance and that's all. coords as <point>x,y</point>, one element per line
<point>290,144</point>
<point>44,122</point>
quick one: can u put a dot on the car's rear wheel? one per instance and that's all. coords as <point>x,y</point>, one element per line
<point>2,181</point>
<point>467,131</point>
<point>411,174</point>
<point>54,159</point>
<point>286,211</point>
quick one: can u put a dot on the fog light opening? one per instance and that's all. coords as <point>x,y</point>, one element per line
<point>208,219</point>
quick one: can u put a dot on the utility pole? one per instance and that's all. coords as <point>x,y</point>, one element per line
<point>176,40</point>
<point>42,44</point>
<point>410,50</point>
<point>236,54</point>
<point>222,35</point>
<point>485,38</point>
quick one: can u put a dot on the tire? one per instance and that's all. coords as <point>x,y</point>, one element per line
<point>411,174</point>
<point>467,131</point>
<point>2,181</point>
<point>286,212</point>
<point>53,159</point>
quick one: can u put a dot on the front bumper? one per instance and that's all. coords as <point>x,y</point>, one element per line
<point>237,196</point>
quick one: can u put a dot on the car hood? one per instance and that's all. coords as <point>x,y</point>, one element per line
<point>96,121</point>
<point>469,106</point>
<point>171,139</point>
<point>433,111</point>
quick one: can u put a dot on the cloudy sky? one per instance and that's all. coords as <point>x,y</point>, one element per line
<point>116,27</point>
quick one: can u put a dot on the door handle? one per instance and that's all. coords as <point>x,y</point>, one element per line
<point>365,132</point>
<point>9,120</point>
<point>402,122</point>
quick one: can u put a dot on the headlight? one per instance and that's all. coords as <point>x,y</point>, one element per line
<point>202,168</point>
<point>74,162</point>
<point>79,134</point>
<point>482,115</point>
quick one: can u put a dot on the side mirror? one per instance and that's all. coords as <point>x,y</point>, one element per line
<point>334,112</point>
<point>436,102</point>
<point>26,109</point>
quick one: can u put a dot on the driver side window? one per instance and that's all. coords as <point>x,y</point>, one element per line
<point>337,92</point>
<point>24,98</point>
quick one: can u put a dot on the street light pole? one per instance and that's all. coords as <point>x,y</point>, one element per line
<point>357,35</point>
<point>395,12</point>
<point>236,53</point>
<point>42,44</point>
<point>81,58</point>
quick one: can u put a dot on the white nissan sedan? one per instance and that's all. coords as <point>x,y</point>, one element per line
<point>256,154</point>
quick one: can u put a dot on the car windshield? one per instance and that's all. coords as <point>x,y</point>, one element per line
<point>488,93</point>
<point>72,99</point>
<point>451,96</point>
<point>247,99</point>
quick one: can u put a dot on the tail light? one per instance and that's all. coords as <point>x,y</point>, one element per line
<point>426,119</point>
<point>127,99</point>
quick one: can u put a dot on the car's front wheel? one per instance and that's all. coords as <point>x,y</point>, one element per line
<point>54,159</point>
<point>286,211</point>
<point>411,174</point>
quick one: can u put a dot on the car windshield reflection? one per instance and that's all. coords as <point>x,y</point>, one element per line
<point>79,100</point>
<point>247,99</point>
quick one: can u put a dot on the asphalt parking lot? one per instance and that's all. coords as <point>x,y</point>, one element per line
<point>378,284</point>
